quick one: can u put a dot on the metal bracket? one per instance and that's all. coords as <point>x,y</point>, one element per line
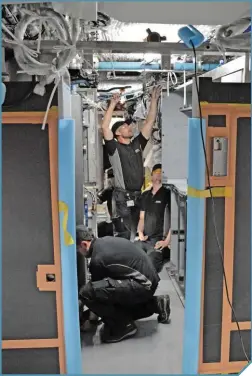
<point>166,62</point>
<point>88,62</point>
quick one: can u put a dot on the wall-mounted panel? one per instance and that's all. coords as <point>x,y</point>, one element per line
<point>30,361</point>
<point>27,233</point>
<point>221,348</point>
<point>32,317</point>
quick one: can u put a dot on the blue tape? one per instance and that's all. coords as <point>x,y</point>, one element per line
<point>1,225</point>
<point>68,253</point>
<point>194,248</point>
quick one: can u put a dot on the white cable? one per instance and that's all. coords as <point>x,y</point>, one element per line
<point>168,85</point>
<point>171,76</point>
<point>50,102</point>
<point>28,64</point>
<point>26,57</point>
<point>185,101</point>
<point>15,41</point>
<point>92,103</point>
<point>40,36</point>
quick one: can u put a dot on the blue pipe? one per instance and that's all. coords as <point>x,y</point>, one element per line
<point>190,66</point>
<point>132,65</point>
<point>126,65</point>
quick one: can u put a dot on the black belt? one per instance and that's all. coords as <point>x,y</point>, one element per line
<point>135,193</point>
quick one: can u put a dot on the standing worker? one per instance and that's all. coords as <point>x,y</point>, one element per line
<point>122,287</point>
<point>126,159</point>
<point>155,204</point>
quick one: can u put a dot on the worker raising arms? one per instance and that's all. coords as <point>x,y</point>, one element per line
<point>126,158</point>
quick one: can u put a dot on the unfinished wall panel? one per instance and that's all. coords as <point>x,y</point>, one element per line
<point>236,350</point>
<point>26,361</point>
<point>213,288</point>
<point>242,253</point>
<point>226,108</point>
<point>32,319</point>
<point>27,233</point>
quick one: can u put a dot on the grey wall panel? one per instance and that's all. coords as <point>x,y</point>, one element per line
<point>27,233</point>
<point>213,283</point>
<point>30,361</point>
<point>236,350</point>
<point>242,245</point>
<point>175,137</point>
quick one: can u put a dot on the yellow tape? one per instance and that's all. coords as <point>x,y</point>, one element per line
<point>216,192</point>
<point>147,179</point>
<point>226,104</point>
<point>63,207</point>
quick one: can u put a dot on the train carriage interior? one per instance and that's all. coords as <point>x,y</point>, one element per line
<point>63,63</point>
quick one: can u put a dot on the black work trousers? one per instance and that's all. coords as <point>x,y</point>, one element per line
<point>158,258</point>
<point>118,302</point>
<point>125,218</point>
<point>126,227</point>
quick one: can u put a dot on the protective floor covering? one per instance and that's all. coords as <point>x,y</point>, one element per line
<point>156,349</point>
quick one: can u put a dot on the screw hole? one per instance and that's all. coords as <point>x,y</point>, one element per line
<point>50,277</point>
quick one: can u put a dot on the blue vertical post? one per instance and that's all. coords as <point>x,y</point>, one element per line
<point>3,93</point>
<point>251,200</point>
<point>66,155</point>
<point>194,248</point>
<point>1,195</point>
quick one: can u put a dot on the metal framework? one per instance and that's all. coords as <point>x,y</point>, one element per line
<point>242,63</point>
<point>129,47</point>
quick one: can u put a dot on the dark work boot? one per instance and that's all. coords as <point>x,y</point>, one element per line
<point>117,334</point>
<point>164,309</point>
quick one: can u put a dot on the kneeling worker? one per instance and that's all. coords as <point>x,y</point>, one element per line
<point>122,286</point>
<point>152,237</point>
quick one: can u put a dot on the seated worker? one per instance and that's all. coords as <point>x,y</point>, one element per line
<point>125,155</point>
<point>122,286</point>
<point>154,203</point>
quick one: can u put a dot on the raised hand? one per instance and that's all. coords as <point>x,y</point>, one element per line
<point>156,92</point>
<point>115,99</point>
